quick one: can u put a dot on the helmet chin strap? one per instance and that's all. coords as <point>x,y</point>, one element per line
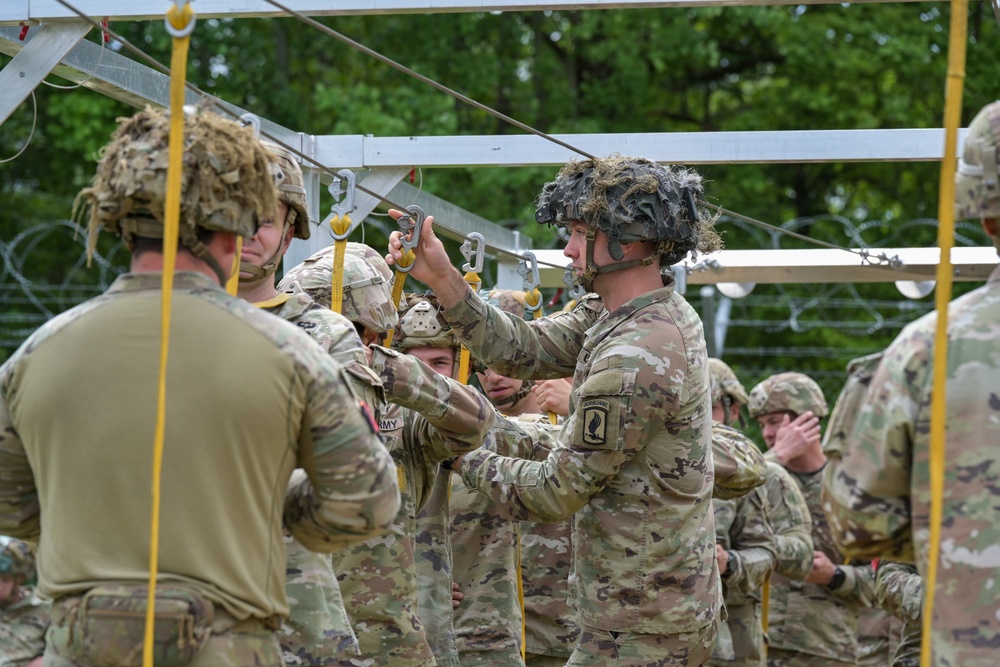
<point>270,267</point>
<point>593,270</point>
<point>514,398</point>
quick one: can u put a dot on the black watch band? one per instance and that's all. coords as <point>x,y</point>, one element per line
<point>447,463</point>
<point>838,579</point>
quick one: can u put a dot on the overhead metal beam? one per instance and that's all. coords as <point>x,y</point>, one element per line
<point>129,10</point>
<point>812,266</point>
<point>782,146</point>
<point>124,79</point>
<point>34,62</point>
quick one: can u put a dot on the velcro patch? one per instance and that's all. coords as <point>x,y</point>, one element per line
<point>369,417</point>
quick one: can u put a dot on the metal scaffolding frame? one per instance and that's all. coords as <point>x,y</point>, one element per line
<point>382,162</point>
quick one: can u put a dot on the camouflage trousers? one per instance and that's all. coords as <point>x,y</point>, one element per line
<point>539,660</point>
<point>777,657</point>
<point>604,648</point>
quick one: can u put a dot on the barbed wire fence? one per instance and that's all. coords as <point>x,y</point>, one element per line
<point>44,272</point>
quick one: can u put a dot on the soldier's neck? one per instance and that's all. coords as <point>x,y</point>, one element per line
<point>257,291</point>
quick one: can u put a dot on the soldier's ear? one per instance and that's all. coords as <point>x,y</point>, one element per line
<point>991,227</point>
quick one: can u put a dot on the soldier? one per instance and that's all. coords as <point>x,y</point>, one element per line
<point>23,617</point>
<point>546,549</point>
<point>745,540</point>
<point>316,630</point>
<point>634,457</point>
<point>877,630</point>
<point>812,622</point>
<point>430,418</point>
<point>83,476</point>
<point>878,495</point>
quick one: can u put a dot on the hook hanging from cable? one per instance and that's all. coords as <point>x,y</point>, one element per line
<point>410,224</point>
<point>341,227</point>
<point>474,251</point>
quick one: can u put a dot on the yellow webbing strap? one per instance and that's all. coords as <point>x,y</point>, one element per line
<point>340,226</point>
<point>464,355</point>
<point>182,22</point>
<point>273,301</point>
<point>946,233</point>
<point>397,287</point>
<point>233,284</point>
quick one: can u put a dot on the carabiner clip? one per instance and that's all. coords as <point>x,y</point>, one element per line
<point>410,224</point>
<point>573,287</point>
<point>528,269</point>
<point>253,121</point>
<point>343,198</point>
<point>474,255</point>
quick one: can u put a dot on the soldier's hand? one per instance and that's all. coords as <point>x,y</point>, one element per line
<point>822,569</point>
<point>553,395</point>
<point>431,266</point>
<point>722,556</point>
<point>796,436</point>
<point>456,596</point>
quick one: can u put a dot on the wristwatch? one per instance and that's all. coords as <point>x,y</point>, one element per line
<point>838,579</point>
<point>447,463</point>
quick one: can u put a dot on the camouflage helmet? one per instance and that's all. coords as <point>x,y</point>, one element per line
<point>792,392</point>
<point>725,383</point>
<point>226,184</point>
<point>977,179</point>
<point>367,284</point>
<point>291,187</point>
<point>630,200</point>
<point>421,325</point>
<point>17,558</point>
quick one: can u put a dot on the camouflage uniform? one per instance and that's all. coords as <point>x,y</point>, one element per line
<point>742,528</point>
<point>811,624</point>
<point>429,418</point>
<point>900,591</point>
<point>225,469</point>
<point>24,618</point>
<point>598,456</point>
<point>878,495</point>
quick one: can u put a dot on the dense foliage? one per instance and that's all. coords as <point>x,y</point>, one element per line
<point>632,70</point>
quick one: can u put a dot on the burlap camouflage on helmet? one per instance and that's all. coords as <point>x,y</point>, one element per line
<point>226,184</point>
<point>793,392</point>
<point>725,383</point>
<point>421,325</point>
<point>977,179</point>
<point>367,284</point>
<point>17,558</point>
<point>291,188</point>
<point>630,200</point>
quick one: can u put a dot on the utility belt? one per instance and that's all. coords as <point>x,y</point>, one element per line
<point>106,626</point>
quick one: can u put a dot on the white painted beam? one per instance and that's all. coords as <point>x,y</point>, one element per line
<point>131,10</point>
<point>812,266</point>
<point>34,62</point>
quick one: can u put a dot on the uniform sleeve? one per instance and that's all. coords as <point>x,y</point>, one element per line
<point>537,349</point>
<point>352,492</point>
<point>739,464</point>
<point>859,584</point>
<point>751,547</point>
<point>447,418</point>
<point>789,517</point>
<point>19,507</point>
<point>609,426</point>
<point>866,492</point>
<point>899,589</point>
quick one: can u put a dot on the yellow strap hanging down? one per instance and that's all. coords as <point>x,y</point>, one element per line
<point>233,284</point>
<point>946,233</point>
<point>475,283</point>
<point>181,21</point>
<point>340,226</point>
<point>397,286</point>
